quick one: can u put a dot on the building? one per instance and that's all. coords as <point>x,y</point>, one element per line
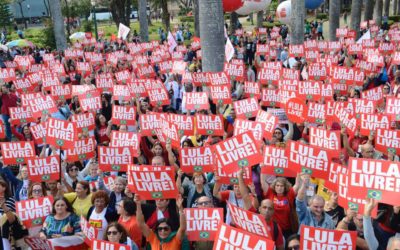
<point>30,9</point>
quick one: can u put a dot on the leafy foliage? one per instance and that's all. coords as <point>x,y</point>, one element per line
<point>5,13</point>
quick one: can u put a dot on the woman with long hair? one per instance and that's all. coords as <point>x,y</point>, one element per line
<point>116,233</point>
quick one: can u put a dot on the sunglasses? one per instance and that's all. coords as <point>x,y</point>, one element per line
<point>159,229</point>
<point>295,247</point>
<point>112,232</point>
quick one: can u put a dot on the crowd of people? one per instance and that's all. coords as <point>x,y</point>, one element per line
<point>84,192</point>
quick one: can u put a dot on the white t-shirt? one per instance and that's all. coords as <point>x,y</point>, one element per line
<point>98,220</point>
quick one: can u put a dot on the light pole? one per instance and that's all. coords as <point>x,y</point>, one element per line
<point>93,2</point>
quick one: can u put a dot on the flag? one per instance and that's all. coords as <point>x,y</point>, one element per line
<point>366,36</point>
<point>171,42</point>
<point>229,50</point>
<point>123,31</point>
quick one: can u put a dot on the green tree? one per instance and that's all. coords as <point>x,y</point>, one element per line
<point>5,13</point>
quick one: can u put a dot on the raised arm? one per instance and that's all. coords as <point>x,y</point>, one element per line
<point>140,217</point>
<point>290,132</point>
<point>369,234</point>
<point>182,219</point>
<point>216,188</point>
<point>264,183</point>
<point>179,182</point>
<point>244,191</point>
<point>346,144</point>
<point>297,184</point>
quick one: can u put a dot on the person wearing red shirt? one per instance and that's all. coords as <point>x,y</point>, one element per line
<point>8,100</point>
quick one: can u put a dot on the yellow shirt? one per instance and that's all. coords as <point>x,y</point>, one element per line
<point>322,190</point>
<point>81,206</point>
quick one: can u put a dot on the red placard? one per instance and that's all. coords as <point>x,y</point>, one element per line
<point>377,179</point>
<point>238,152</point>
<point>200,79</point>
<point>209,124</point>
<point>221,94</point>
<point>234,238</point>
<point>326,139</point>
<point>7,74</point>
<point>372,122</point>
<point>235,71</point>
<point>84,122</point>
<point>42,105</point>
<point>308,159</point>
<point>296,50</point>
<point>270,97</point>
<point>158,96</point>
<point>20,115</point>
<point>343,116</point>
<point>316,112</point>
<point>153,183</point>
<point>270,122</point>
<point>320,238</point>
<point>102,244</point>
<point>232,179</point>
<point>388,141</point>
<point>202,223</point>
<point>121,93</point>
<point>90,233</point>
<point>123,76</point>
<point>82,150</point>
<point>218,78</point>
<point>246,108</point>
<point>196,159</point>
<point>184,123</point>
<point>17,152</point>
<point>375,94</point>
<point>268,76</point>
<point>60,133</point>
<point>170,133</point>
<point>2,130</point>
<point>149,122</point>
<point>290,74</point>
<point>137,89</point>
<point>123,115</point>
<point>393,107</point>
<point>61,92</point>
<point>257,128</point>
<point>126,139</point>
<point>114,158</point>
<point>309,90</point>
<point>37,243</point>
<point>90,101</point>
<point>38,132</point>
<point>43,169</point>
<point>196,100</point>
<point>296,110</point>
<point>104,83</point>
<point>275,162</point>
<point>23,85</point>
<point>252,89</point>
<point>33,212</point>
<point>248,221</point>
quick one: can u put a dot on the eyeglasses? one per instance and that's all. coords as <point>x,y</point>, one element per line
<point>159,229</point>
<point>295,247</point>
<point>36,191</point>
<point>112,232</point>
<point>74,169</point>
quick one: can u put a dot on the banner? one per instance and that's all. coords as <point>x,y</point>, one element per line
<point>44,169</point>
<point>275,162</point>
<point>149,122</point>
<point>82,150</point>
<point>36,243</point>
<point>123,115</point>
<point>153,183</point>
<point>248,221</point>
<point>202,223</point>
<point>90,101</point>
<point>114,158</point>
<point>320,238</point>
<point>126,139</point>
<point>238,152</point>
<point>90,233</point>
<point>326,139</point>
<point>372,122</point>
<point>234,238</point>
<point>123,31</point>
<point>209,124</point>
<point>102,245</point>
<point>270,121</point>
<point>184,123</point>
<point>84,122</point>
<point>377,179</point>
<point>20,115</point>
<point>246,108</point>
<point>171,42</point>
<point>388,141</point>
<point>308,159</point>
<point>196,159</point>
<point>229,50</point>
<point>33,212</point>
<point>196,101</point>
<point>60,133</point>
<point>17,152</point>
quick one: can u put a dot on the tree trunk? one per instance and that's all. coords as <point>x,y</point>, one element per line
<point>196,18</point>
<point>251,16</point>
<point>58,25</point>
<point>212,35</point>
<point>144,26</point>
<point>46,6</point>
<point>368,10</point>
<point>398,7</point>
<point>378,12</point>
<point>386,7</point>
<point>297,21</point>
<point>356,16</point>
<point>121,11</point>
<point>334,18</point>
<point>22,14</point>
<point>395,2</point>
<point>165,15</point>
<point>68,18</point>
<point>260,18</point>
<point>234,20</point>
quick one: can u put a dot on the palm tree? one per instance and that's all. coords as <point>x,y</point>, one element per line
<point>386,7</point>
<point>196,18</point>
<point>260,18</point>
<point>234,18</point>
<point>356,16</point>
<point>144,25</point>
<point>163,5</point>
<point>58,25</point>
<point>369,10</point>
<point>297,21</point>
<point>121,11</point>
<point>395,2</point>
<point>378,12</point>
<point>212,35</point>
<point>334,18</point>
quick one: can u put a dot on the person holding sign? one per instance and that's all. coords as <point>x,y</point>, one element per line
<point>116,233</point>
<point>313,215</point>
<point>164,235</point>
<point>127,210</point>
<point>81,199</point>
